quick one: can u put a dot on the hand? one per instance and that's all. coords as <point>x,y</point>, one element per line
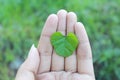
<point>44,64</point>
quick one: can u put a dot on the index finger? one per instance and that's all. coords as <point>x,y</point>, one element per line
<point>44,46</point>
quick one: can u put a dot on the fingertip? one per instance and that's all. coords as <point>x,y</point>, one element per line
<point>61,11</point>
<point>79,27</point>
<point>33,50</point>
<point>79,24</point>
<point>52,18</point>
<point>50,26</point>
<point>72,14</point>
<point>33,47</point>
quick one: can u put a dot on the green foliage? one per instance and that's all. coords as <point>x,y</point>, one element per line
<point>64,45</point>
<point>21,22</point>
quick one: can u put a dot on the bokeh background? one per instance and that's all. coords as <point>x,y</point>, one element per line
<point>21,22</point>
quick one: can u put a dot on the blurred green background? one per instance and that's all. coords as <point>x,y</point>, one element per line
<point>21,22</point>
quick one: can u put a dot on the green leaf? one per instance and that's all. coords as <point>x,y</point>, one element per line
<point>64,45</point>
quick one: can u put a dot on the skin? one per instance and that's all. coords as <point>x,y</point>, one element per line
<point>43,63</point>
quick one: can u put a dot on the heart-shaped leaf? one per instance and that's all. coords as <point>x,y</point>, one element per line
<point>64,45</point>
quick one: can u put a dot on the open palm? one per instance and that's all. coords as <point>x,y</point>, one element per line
<point>44,64</point>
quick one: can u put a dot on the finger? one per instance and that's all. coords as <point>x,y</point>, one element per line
<point>84,54</point>
<point>44,46</point>
<point>70,62</point>
<point>58,61</point>
<point>29,68</point>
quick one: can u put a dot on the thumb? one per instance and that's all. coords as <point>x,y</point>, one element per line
<point>29,68</point>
